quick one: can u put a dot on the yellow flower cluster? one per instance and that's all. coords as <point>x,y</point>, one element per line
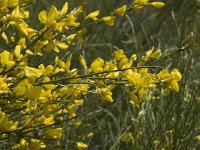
<point>139,4</point>
<point>39,95</point>
<point>37,100</point>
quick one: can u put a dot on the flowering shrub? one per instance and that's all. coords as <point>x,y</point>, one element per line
<point>38,100</point>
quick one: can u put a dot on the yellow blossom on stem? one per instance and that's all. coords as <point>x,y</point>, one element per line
<point>171,79</point>
<point>3,3</point>
<point>32,73</point>
<point>47,120</point>
<point>83,62</point>
<point>141,2</point>
<point>5,37</point>
<point>158,4</point>
<point>108,20</point>
<point>12,3</point>
<point>6,124</point>
<point>6,59</point>
<point>106,94</point>
<point>64,9</point>
<point>173,85</point>
<point>71,111</point>
<point>121,11</point>
<point>60,45</point>
<point>137,7</point>
<point>97,65</point>
<point>54,133</point>
<point>33,92</point>
<point>81,145</point>
<point>49,19</point>
<point>134,99</point>
<point>93,15</point>
<point>176,74</point>
<point>36,144</point>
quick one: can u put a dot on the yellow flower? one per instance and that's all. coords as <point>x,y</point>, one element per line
<point>5,124</point>
<point>176,74</point>
<point>29,121</point>
<point>171,79</point>
<point>170,131</point>
<point>141,2</point>
<point>17,51</point>
<point>125,63</point>
<point>71,111</point>
<point>50,108</point>
<point>35,144</point>
<point>70,20</point>
<point>137,7</point>
<point>49,19</point>
<point>68,62</point>
<point>146,81</point>
<point>22,42</point>
<point>82,62</point>
<point>93,15</point>
<point>97,65</point>
<point>121,11</point>
<point>198,137</point>
<point>23,143</point>
<point>60,45</point>
<point>31,106</point>
<point>106,94</point>
<point>165,76</point>
<point>33,92</point>
<point>149,52</point>
<point>90,134</point>
<point>48,70</point>
<point>155,54</point>
<point>64,65</point>
<point>80,35</point>
<point>4,88</point>
<point>134,99</point>
<point>64,9</point>
<point>77,102</point>
<point>108,20</point>
<point>109,66</point>
<point>49,120</point>
<point>59,62</point>
<point>71,38</point>
<point>23,27</point>
<point>19,89</point>
<point>6,58</point>
<point>81,145</point>
<point>12,3</point>
<point>133,78</point>
<point>119,54</point>
<point>158,4</point>
<point>5,37</point>
<point>173,85</point>
<point>3,3</point>
<point>54,133</point>
<point>32,73</point>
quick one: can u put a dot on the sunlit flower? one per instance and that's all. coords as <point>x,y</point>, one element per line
<point>108,20</point>
<point>93,15</point>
